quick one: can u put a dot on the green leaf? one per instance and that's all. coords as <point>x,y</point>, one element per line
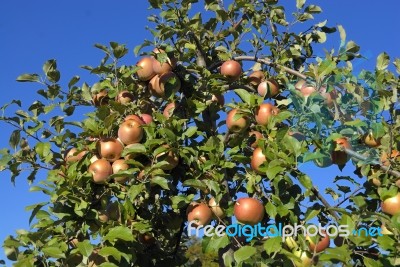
<point>110,251</point>
<point>190,131</point>
<point>161,181</point>
<point>73,81</point>
<point>313,9</point>
<point>43,149</point>
<point>273,244</point>
<point>15,138</point>
<point>53,252</point>
<point>119,232</point>
<point>244,253</point>
<point>5,158</point>
<point>383,61</point>
<point>85,248</point>
<point>135,190</point>
<point>300,3</point>
<point>28,78</point>
<point>305,181</point>
<point>311,214</point>
<point>342,32</point>
<point>216,242</point>
<point>397,64</point>
<point>244,95</point>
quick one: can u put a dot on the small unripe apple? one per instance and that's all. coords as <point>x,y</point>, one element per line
<point>305,258</point>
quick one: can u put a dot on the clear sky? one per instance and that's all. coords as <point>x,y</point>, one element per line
<point>33,31</point>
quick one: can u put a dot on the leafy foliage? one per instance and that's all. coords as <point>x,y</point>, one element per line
<point>146,203</point>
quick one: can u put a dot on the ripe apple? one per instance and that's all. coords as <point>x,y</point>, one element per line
<point>391,205</point>
<point>134,117</point>
<point>169,84</point>
<point>218,212</point>
<point>117,166</point>
<point>268,88</point>
<point>257,159</point>
<point>154,86</point>
<point>307,90</point>
<point>264,113</point>
<point>169,110</point>
<point>232,70</point>
<point>328,96</point>
<point>305,258</point>
<point>160,68</point>
<point>100,98</point>
<point>200,213</point>
<point>257,136</point>
<point>130,132</point>
<point>72,155</point>
<point>125,97</point>
<point>248,210</point>
<point>110,149</point>
<point>236,125</point>
<point>322,244</point>
<point>219,99</point>
<point>338,156</point>
<point>146,72</point>
<point>299,84</point>
<point>384,158</point>
<point>170,157</point>
<point>146,239</point>
<point>147,118</point>
<point>371,141</point>
<point>100,169</point>
<point>256,77</point>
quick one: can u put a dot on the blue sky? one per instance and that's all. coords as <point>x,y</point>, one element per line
<point>34,31</point>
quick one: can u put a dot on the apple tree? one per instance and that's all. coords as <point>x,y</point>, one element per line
<point>211,124</point>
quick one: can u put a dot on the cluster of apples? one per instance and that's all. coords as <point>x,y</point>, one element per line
<point>246,210</point>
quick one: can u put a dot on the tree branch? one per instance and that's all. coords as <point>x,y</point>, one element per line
<point>325,203</point>
<point>358,156</point>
